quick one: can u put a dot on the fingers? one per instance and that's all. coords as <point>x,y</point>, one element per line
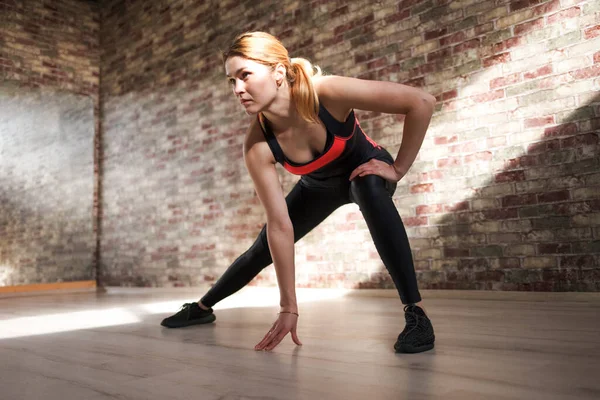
<point>267,337</point>
<point>276,340</point>
<point>370,167</point>
<point>272,339</point>
<point>284,324</point>
<point>295,338</point>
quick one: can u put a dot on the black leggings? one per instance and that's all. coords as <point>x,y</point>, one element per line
<point>309,203</point>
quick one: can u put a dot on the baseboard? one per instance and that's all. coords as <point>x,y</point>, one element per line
<point>61,287</point>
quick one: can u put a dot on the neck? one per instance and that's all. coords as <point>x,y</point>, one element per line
<point>282,113</point>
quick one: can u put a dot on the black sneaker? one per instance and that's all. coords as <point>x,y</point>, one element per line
<point>190,314</point>
<point>417,335</point>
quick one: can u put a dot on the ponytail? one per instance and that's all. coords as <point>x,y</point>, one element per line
<point>303,92</point>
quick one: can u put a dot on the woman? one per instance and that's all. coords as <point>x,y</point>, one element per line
<point>306,122</point>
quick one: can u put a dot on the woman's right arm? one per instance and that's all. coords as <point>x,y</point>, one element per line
<point>280,232</point>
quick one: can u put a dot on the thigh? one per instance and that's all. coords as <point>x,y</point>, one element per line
<point>309,206</point>
<point>371,189</point>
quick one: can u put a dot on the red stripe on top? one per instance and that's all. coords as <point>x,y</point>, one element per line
<point>336,150</point>
<point>367,136</point>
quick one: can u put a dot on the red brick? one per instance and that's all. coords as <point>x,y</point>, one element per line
<point>436,175</point>
<point>586,73</point>
<point>551,197</point>
<point>399,16</point>
<point>545,70</point>
<point>363,57</point>
<point>415,221</point>
<point>568,13</point>
<point>508,44</point>
<point>452,94</point>
<point>435,33</point>
<point>510,176</point>
<point>519,200</point>
<point>468,147</point>
<point>490,96</point>
<point>437,55</point>
<point>496,141</point>
<point>430,67</point>
<point>561,130</point>
<point>541,121</point>
<point>519,162</point>
<point>449,161</point>
<point>497,59</point>
<point>422,188</point>
<point>597,58</point>
<point>380,62</point>
<point>529,26</point>
<point>429,209</point>
<point>505,81</point>
<point>470,44</point>
<point>407,3</point>
<point>460,206</point>
<point>339,11</point>
<point>390,69</point>
<point>482,156</point>
<point>454,38</point>
<point>445,139</point>
<point>521,4</point>
<point>592,32</point>
<point>546,8</point>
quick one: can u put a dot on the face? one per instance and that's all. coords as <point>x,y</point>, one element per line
<point>253,83</point>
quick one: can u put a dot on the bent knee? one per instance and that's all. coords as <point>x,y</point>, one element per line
<point>368,186</point>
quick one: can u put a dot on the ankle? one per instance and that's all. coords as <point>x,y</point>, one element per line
<point>420,305</point>
<point>202,306</point>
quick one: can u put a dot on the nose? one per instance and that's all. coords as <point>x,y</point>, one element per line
<point>238,87</point>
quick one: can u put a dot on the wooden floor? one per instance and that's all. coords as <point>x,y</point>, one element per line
<point>110,346</point>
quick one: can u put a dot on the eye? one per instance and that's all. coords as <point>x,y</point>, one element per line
<point>244,74</point>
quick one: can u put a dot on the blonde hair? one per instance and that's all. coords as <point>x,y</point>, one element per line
<point>266,49</point>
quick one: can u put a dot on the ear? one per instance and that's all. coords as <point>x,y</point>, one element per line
<point>279,72</point>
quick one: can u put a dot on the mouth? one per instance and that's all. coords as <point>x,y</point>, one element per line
<point>245,101</point>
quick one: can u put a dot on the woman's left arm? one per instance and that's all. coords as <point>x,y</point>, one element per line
<point>384,97</point>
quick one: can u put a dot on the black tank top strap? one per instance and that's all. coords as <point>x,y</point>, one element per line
<point>272,142</point>
<point>333,125</point>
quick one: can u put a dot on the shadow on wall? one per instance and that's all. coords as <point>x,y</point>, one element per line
<point>46,186</point>
<point>507,187</point>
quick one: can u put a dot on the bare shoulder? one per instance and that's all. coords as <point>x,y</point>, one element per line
<point>326,94</point>
<point>256,148</point>
<point>371,95</point>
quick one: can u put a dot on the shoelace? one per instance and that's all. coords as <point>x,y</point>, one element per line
<point>187,307</point>
<point>411,317</point>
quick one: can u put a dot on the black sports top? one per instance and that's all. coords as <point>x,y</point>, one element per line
<point>347,147</point>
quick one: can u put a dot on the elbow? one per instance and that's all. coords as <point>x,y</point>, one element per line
<point>428,100</point>
<point>282,225</point>
<point>424,104</point>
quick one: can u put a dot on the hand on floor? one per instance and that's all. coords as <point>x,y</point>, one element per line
<point>285,323</point>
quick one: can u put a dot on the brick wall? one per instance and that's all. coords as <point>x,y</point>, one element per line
<point>505,193</point>
<point>49,74</point>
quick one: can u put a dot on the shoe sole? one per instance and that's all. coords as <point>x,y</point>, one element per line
<point>205,320</point>
<point>405,348</point>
